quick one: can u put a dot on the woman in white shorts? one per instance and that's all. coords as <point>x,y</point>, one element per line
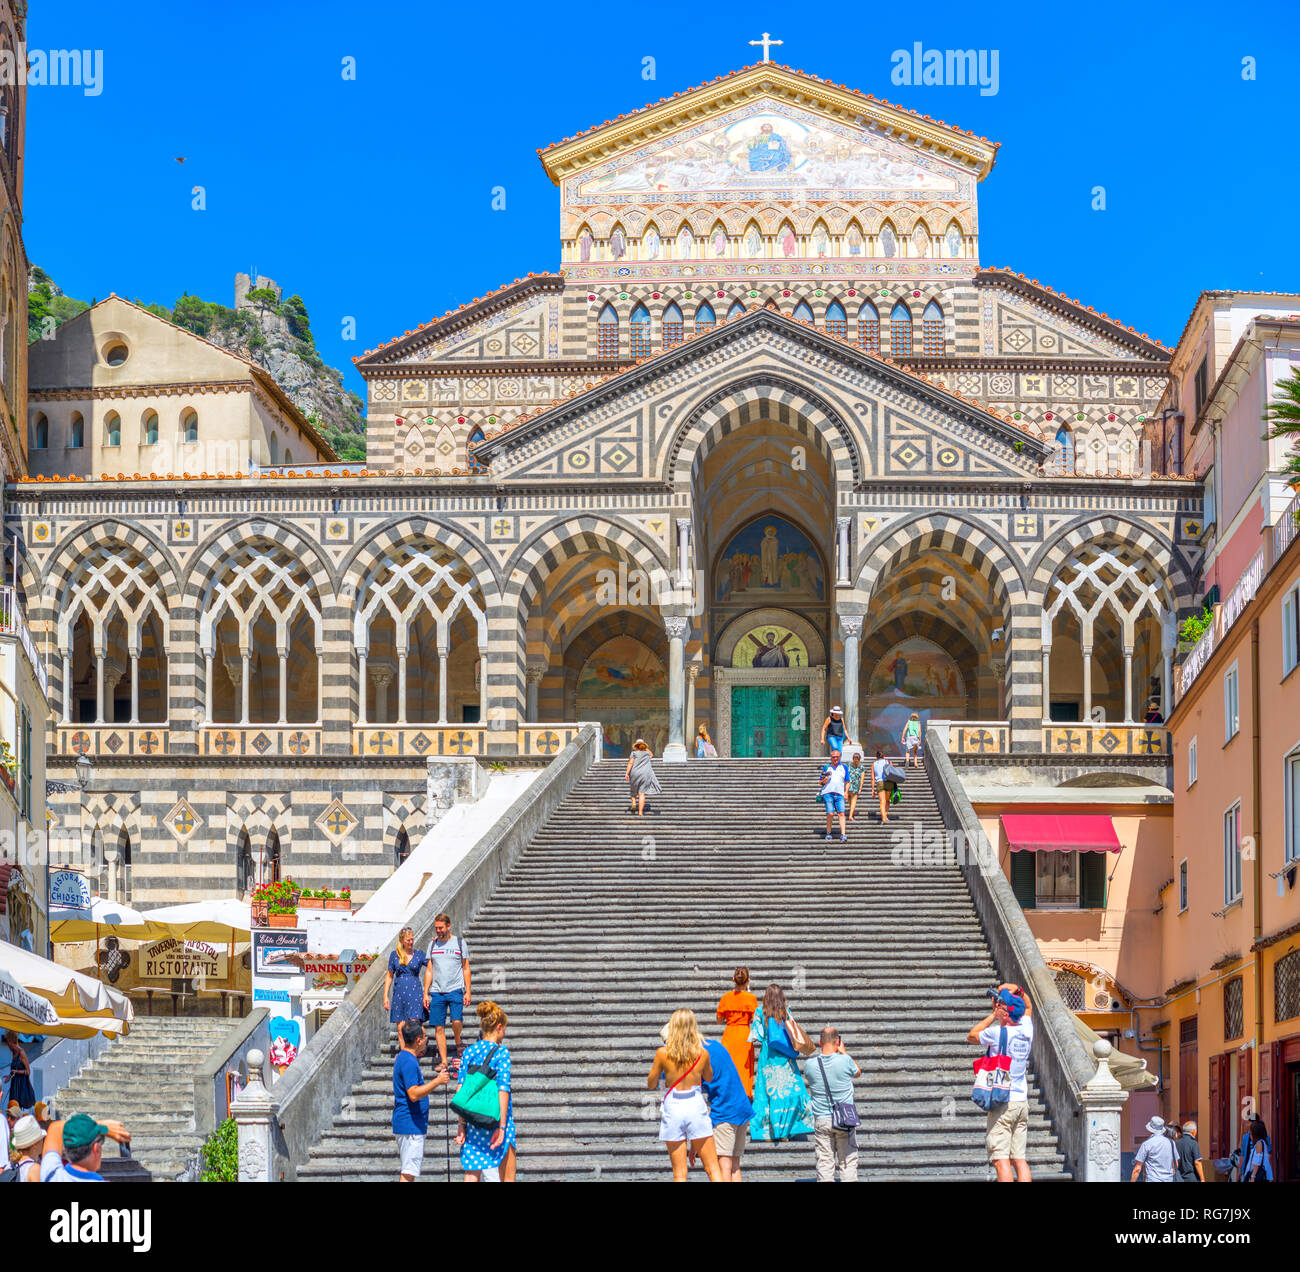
<point>684,1062</point>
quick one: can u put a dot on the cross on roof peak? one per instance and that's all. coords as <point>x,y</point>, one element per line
<point>767,42</point>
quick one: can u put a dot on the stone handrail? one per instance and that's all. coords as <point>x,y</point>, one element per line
<point>306,1099</point>
<point>223,1057</point>
<point>1061,1061</point>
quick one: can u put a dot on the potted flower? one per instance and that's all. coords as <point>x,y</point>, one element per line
<point>282,897</point>
<point>260,905</point>
<point>312,899</point>
<point>341,902</point>
<point>282,916</point>
<point>8,766</point>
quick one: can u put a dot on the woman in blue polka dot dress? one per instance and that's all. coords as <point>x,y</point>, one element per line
<point>482,1149</point>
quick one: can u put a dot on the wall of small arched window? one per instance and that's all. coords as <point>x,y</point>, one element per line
<point>77,431</point>
<point>112,429</point>
<point>149,428</point>
<point>40,434</point>
<point>190,426</point>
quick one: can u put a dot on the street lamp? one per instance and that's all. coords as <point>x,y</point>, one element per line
<point>85,771</point>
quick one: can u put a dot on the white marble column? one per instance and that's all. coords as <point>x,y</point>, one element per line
<point>677,629</point>
<point>1087,684</point>
<point>245,667</point>
<point>683,551</point>
<point>284,685</point>
<point>135,686</point>
<point>401,687</point>
<point>361,686</point>
<point>1047,684</point>
<point>851,632</point>
<point>692,670</point>
<point>209,657</point>
<point>1128,684</point>
<point>443,650</point>
<point>843,564</point>
<point>99,687</point>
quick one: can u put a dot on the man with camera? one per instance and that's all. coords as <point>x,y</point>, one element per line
<point>1008,1125</point>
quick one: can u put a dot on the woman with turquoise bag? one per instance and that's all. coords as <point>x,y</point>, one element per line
<point>781,1108</point>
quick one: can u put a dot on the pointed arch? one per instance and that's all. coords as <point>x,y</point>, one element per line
<point>705,318</point>
<point>584,243</point>
<point>652,244</point>
<point>617,242</point>
<point>787,241</point>
<point>854,239</point>
<point>803,312</point>
<point>638,330</point>
<point>837,323</point>
<point>887,240</point>
<point>737,310</point>
<point>869,328</point>
<point>671,325</point>
<point>819,242</point>
<point>932,342</point>
<point>1062,461</point>
<point>752,245</point>
<point>474,465</point>
<point>607,333</point>
<point>445,448</point>
<point>919,243</point>
<point>900,331</point>
<point>719,241</point>
<point>954,240</point>
<point>684,244</point>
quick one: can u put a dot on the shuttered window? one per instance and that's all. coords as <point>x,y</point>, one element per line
<point>1022,878</point>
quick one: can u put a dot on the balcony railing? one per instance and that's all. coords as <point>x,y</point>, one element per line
<point>14,623</point>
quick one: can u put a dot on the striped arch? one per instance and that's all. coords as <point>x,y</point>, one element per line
<point>404,813</point>
<point>527,570</point>
<point>940,532</point>
<point>1164,558</point>
<point>259,815</point>
<point>932,628</point>
<point>757,397</point>
<point>67,562</point>
<point>608,626</point>
<point>381,544</point>
<point>224,543</point>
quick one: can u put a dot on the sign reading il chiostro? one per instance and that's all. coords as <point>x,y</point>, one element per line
<point>69,889</point>
<point>172,957</point>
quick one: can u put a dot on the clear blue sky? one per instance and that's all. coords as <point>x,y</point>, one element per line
<point>371,198</point>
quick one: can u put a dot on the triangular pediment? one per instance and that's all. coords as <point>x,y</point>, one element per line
<point>882,419</point>
<point>770,148</point>
<point>709,104</point>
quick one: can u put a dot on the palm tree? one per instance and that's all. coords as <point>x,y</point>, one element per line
<point>1283,418</point>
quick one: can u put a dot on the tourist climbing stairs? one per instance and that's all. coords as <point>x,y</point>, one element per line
<point>609,922</point>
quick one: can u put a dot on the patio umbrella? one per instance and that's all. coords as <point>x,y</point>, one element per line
<point>223,919</point>
<point>80,1005</point>
<point>99,919</point>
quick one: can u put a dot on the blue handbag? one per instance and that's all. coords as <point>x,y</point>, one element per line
<point>778,1040</point>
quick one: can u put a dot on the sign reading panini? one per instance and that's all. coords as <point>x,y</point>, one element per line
<point>173,957</point>
<point>335,971</point>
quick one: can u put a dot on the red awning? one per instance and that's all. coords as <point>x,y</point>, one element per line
<point>1060,832</point>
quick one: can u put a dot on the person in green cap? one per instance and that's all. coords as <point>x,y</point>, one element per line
<point>74,1150</point>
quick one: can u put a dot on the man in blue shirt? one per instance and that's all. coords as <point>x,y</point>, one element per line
<point>411,1098</point>
<point>74,1150</point>
<point>729,1111</point>
<point>829,1075</point>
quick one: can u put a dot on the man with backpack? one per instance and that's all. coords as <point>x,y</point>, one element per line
<point>446,984</point>
<point>1008,1030</point>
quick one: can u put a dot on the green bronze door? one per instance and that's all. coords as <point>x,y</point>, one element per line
<point>768,720</point>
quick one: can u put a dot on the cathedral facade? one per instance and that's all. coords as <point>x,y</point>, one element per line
<point>768,438</point>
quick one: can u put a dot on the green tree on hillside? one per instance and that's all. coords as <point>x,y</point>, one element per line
<point>295,310</point>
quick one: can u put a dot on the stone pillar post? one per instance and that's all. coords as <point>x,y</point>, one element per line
<point>851,630</point>
<point>1047,684</point>
<point>1128,684</point>
<point>443,651</point>
<point>245,682</point>
<point>401,687</point>
<point>1087,684</point>
<point>683,551</point>
<point>534,673</point>
<point>255,1113</point>
<point>1102,1102</point>
<point>843,565</point>
<point>283,655</point>
<point>99,687</point>
<point>135,686</point>
<point>692,670</point>
<point>67,688</point>
<point>209,657</point>
<point>677,629</point>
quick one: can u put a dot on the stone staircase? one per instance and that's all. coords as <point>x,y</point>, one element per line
<point>146,1081</point>
<point>610,922</point>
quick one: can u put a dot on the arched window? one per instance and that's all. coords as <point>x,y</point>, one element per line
<point>900,331</point>
<point>475,466</point>
<point>737,310</point>
<point>705,318</point>
<point>150,429</point>
<point>40,433</point>
<point>868,328</point>
<point>1070,985</point>
<point>190,425</point>
<point>77,433</point>
<point>888,240</point>
<point>803,312</point>
<point>288,455</point>
<point>932,330</point>
<point>123,866</point>
<point>1064,450</point>
<point>753,241</point>
<point>954,242</point>
<point>275,447</point>
<point>672,326</point>
<point>921,239</point>
<point>243,864</point>
<point>685,243</point>
<point>639,333</point>
<point>112,429</point>
<point>617,243</point>
<point>401,846</point>
<point>836,323</point>
<point>607,333</point>
<point>271,863</point>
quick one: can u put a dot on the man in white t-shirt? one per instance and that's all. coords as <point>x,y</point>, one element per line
<point>1008,1126</point>
<point>834,781</point>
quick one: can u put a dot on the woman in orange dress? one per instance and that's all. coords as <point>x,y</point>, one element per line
<point>736,1010</point>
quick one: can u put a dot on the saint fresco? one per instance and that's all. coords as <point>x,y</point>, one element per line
<point>769,149</point>
<point>770,646</point>
<point>769,557</point>
<point>916,675</point>
<point>625,687</point>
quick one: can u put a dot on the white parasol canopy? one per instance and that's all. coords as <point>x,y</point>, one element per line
<point>222,919</point>
<point>99,919</point>
<point>79,1006</point>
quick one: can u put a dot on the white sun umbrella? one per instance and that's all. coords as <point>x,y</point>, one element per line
<point>222,919</point>
<point>99,919</point>
<point>82,1005</point>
